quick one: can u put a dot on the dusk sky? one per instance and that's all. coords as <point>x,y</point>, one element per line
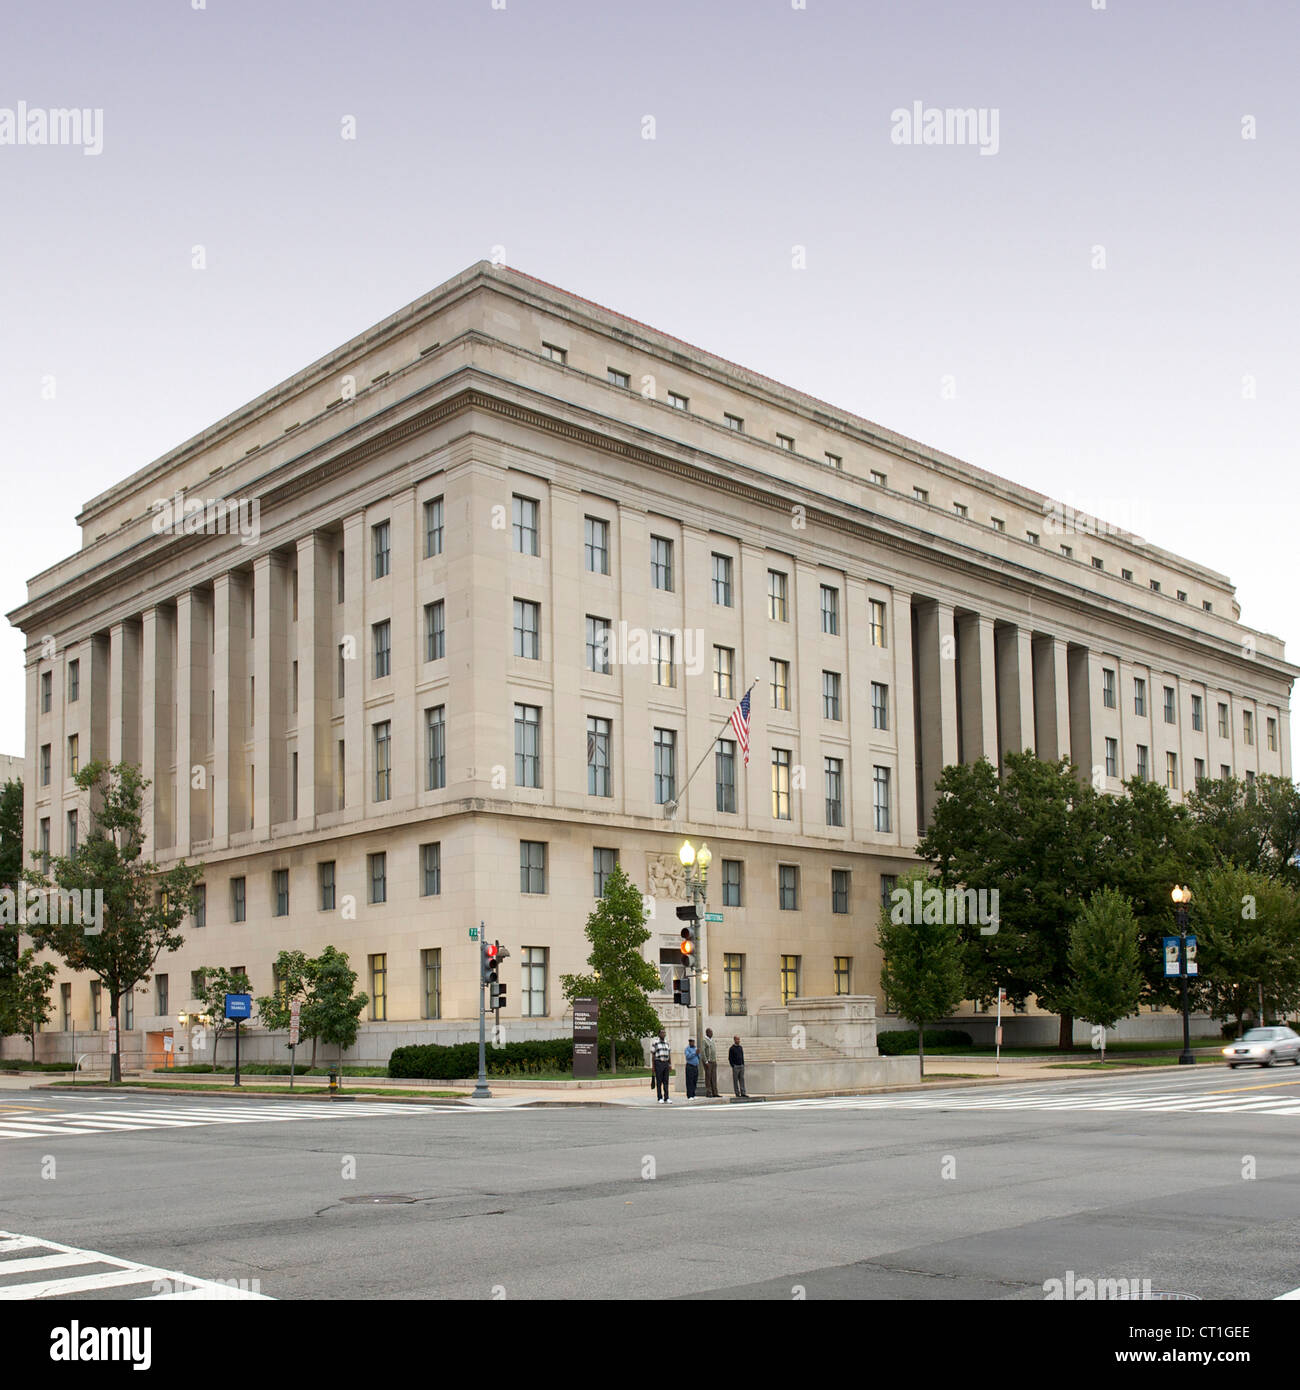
<point>1112,288</point>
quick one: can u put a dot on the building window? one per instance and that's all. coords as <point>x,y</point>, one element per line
<point>1032,537</point>
<point>433,515</point>
<point>1198,769</point>
<point>431,869</point>
<point>780,684</point>
<point>1250,783</point>
<point>830,695</point>
<point>435,748</point>
<point>596,544</point>
<point>840,897</point>
<point>524,520</point>
<point>600,777</point>
<point>724,663</point>
<point>383,760</point>
<point>340,766</point>
<point>1207,605</point>
<point>1223,721</point>
<point>74,681</point>
<point>435,630</point>
<point>879,479</point>
<point>343,669</point>
<point>888,882</point>
<point>1182,596</point>
<point>598,645</point>
<point>787,876</point>
<point>878,624</point>
<point>43,844</point>
<point>1142,769</point>
<point>879,705</point>
<point>665,766</point>
<point>778,607</point>
<point>1068,552</point>
<point>1170,714</point>
<point>383,643</point>
<point>45,764</point>
<point>734,422</point>
<point>786,442</point>
<point>1171,771</point>
<point>790,978</point>
<point>603,863</point>
<point>722,580</point>
<point>377,868</point>
<point>834,791</point>
<point>201,905</point>
<point>528,621</point>
<point>997,523</point>
<point>1155,586</point>
<point>280,889</point>
<point>835,460</point>
<point>532,866</point>
<point>662,657</point>
<point>1126,574</point>
<point>880,789</point>
<point>383,558</point>
<point>96,1001</point>
<point>732,870</point>
<point>555,354</point>
<point>533,983</point>
<point>1112,758</point>
<point>161,999</point>
<point>617,378</point>
<point>238,899</point>
<point>1271,727</point>
<point>325,880</point>
<point>1139,696</point>
<point>780,783</point>
<point>431,964</point>
<point>678,402</point>
<point>920,494</point>
<point>47,691</point>
<point>1224,772</point>
<point>1247,728</point>
<point>733,975</point>
<point>1108,688</point>
<point>830,610</point>
<point>74,760</point>
<point>843,974</point>
<point>198,984</point>
<point>724,775</point>
<point>340,577</point>
<point>661,563</point>
<point>528,746</point>
<point>1198,713</point>
<point>1098,563</point>
<point>961,508</point>
<point>379,988</point>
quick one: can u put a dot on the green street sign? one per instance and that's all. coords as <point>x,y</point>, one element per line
<point>713,917</point>
<point>473,933</point>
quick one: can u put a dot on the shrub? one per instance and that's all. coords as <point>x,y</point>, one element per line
<point>455,1061</point>
<point>16,1065</point>
<point>897,1044</point>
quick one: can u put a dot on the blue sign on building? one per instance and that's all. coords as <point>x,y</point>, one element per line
<point>239,1006</point>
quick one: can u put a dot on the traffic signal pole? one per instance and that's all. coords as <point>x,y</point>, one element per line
<point>481,1091</point>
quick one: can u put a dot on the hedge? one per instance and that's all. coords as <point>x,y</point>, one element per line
<point>895,1044</point>
<point>13,1064</point>
<point>435,1062</point>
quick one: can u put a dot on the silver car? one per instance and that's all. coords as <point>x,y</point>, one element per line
<point>1264,1046</point>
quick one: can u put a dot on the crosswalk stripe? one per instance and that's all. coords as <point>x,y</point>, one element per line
<point>53,1288</point>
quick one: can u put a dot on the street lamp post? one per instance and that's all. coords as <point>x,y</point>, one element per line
<point>696,863</point>
<point>1182,898</point>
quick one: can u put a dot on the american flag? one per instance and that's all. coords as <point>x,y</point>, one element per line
<point>740,722</point>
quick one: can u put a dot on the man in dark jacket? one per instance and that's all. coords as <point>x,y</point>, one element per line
<point>736,1057</point>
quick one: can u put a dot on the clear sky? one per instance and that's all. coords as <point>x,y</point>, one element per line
<point>1111,290</point>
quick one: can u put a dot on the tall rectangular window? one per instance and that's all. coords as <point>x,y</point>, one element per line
<point>1170,710</point>
<point>525,513</point>
<point>724,665</point>
<point>780,684</point>
<point>325,881</point>
<point>879,705</point>
<point>43,843</point>
<point>1171,771</point>
<point>598,645</point>
<point>1198,713</point>
<point>1112,758</point>
<point>379,988</point>
<point>840,894</point>
<point>788,885</point>
<point>74,755</point>
<point>1198,769</point>
<point>280,891</point>
<point>1143,771</point>
<point>45,764</point>
<point>780,784</point>
<point>834,791</point>
<point>1271,728</point>
<point>661,563</point>
<point>201,905</point>
<point>778,596</point>
<point>1108,688</point>
<point>1223,721</point>
<point>881,802</point>
<point>431,869</point>
<point>722,580</point>
<point>431,966</point>
<point>733,976</point>
<point>878,635</point>
<point>532,985</point>
<point>74,681</point>
<point>238,899</point>
<point>377,873</point>
<point>532,866</point>
<point>665,766</point>
<point>340,782</point>
<point>162,1000</point>
<point>435,630</point>
<point>433,517</point>
<point>843,974</point>
<point>435,748</point>
<point>600,779</point>
<point>383,760</point>
<point>339,572</point>
<point>732,875</point>
<point>528,624</point>
<point>830,695</point>
<point>603,863</point>
<point>47,691</point>
<point>383,560</point>
<point>663,657</point>
<point>528,746</point>
<point>724,774</point>
<point>1247,728</point>
<point>342,669</point>
<point>383,642</point>
<point>596,544</point>
<point>830,610</point>
<point>96,1004</point>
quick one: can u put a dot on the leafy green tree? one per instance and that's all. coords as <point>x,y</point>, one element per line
<point>1247,929</point>
<point>923,966</point>
<point>292,981</point>
<point>143,904</point>
<point>330,1011</point>
<point>620,977</point>
<point>1255,827</point>
<point>1104,962</point>
<point>11,868</point>
<point>25,1005</point>
<point>217,983</point>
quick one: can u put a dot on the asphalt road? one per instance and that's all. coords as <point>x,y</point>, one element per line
<point>950,1194</point>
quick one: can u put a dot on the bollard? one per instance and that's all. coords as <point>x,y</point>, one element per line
<point>334,1081</point>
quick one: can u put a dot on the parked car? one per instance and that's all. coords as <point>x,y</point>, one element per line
<point>1264,1046</point>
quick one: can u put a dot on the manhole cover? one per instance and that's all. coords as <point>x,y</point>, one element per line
<point>381,1199</point>
<point>1156,1294</point>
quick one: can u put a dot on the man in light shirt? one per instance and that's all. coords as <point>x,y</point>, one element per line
<point>660,1056</point>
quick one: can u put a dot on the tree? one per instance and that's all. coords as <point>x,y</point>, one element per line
<point>143,905</point>
<point>620,977</point>
<point>331,1010</point>
<point>25,997</point>
<point>217,983</point>
<point>922,970</point>
<point>1247,928</point>
<point>11,868</point>
<point>1254,826</point>
<point>292,980</point>
<point>1104,962</point>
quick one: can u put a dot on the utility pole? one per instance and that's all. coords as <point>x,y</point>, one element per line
<point>481,1091</point>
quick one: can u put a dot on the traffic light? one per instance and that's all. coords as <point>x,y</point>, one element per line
<point>496,996</point>
<point>682,990</point>
<point>677,989</point>
<point>688,944</point>
<point>491,961</point>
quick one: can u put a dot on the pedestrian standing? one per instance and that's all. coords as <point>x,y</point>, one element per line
<point>709,1055</point>
<point>661,1054</point>
<point>736,1056</point>
<point>692,1068</point>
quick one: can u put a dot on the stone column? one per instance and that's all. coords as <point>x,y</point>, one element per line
<point>1015,691</point>
<point>936,686</point>
<point>979,692</point>
<point>316,658</point>
<point>157,700</point>
<point>1051,698</point>
<point>271,663</point>
<point>357,560</point>
<point>124,692</point>
<point>903,714</point>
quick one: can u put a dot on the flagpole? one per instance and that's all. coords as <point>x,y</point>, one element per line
<point>670,807</point>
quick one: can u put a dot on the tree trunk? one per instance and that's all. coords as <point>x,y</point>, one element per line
<point>1065,1038</point>
<point>920,1044</point>
<point>613,1057</point>
<point>33,1042</point>
<point>115,1061</point>
<point>313,1055</point>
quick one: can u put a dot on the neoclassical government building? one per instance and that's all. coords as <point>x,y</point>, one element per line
<point>441,628</point>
